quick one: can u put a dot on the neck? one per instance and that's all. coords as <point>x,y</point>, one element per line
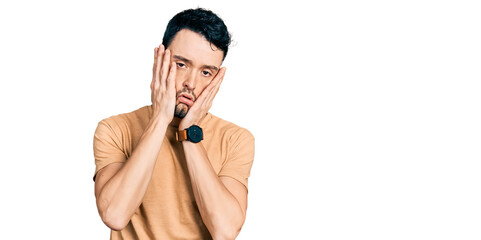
<point>175,122</point>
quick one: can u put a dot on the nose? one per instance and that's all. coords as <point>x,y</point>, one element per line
<point>190,81</point>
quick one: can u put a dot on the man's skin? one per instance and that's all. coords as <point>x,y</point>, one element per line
<point>190,63</point>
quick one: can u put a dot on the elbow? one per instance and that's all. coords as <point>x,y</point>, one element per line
<point>115,225</point>
<point>226,234</point>
<point>114,220</point>
<point>228,231</point>
<point>113,216</point>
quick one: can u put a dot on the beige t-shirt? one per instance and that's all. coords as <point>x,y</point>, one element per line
<point>168,209</point>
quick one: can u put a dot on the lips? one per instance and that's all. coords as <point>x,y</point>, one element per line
<point>186,99</point>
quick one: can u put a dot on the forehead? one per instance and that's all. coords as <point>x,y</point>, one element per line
<point>196,48</point>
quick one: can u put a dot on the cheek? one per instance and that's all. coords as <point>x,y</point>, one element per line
<point>178,81</point>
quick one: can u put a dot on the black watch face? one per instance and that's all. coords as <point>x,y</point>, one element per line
<point>194,134</point>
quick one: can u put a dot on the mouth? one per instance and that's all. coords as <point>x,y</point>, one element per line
<point>186,99</point>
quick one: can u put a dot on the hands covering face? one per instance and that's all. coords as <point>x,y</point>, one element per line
<point>163,85</point>
<point>204,102</point>
<point>164,97</point>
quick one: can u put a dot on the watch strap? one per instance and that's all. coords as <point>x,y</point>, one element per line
<point>181,135</point>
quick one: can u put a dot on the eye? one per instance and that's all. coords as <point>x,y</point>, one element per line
<point>206,73</point>
<point>180,65</point>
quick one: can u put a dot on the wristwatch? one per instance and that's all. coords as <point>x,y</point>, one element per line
<point>193,134</point>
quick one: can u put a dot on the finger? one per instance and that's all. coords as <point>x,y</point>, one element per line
<point>171,79</point>
<point>206,92</point>
<point>160,54</point>
<point>165,69</point>
<point>207,96</point>
<point>218,77</point>
<point>211,95</point>
<point>153,68</point>
<point>215,86</point>
<point>155,58</point>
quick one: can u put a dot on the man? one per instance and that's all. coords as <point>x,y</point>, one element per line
<point>172,170</point>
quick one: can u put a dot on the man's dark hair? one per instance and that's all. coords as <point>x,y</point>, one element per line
<point>201,21</point>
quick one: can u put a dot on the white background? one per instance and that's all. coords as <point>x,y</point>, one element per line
<point>366,113</point>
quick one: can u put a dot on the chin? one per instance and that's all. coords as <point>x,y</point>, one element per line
<point>181,110</point>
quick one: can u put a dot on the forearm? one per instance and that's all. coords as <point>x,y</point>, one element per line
<point>123,193</point>
<point>220,210</point>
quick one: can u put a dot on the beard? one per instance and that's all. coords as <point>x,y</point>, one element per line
<point>181,110</point>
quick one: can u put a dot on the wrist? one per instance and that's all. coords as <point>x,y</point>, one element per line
<point>159,122</point>
<point>188,122</point>
<point>185,125</point>
<point>193,134</point>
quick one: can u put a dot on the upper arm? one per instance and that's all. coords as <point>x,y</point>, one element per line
<point>240,157</point>
<point>108,152</point>
<point>108,146</point>
<point>104,175</point>
<point>238,190</point>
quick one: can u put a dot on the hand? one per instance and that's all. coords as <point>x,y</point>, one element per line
<point>203,103</point>
<point>163,85</point>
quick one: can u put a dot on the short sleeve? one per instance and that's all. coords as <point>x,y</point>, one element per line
<point>107,146</point>
<point>240,157</point>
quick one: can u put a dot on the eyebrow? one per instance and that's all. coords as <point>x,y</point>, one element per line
<point>190,62</point>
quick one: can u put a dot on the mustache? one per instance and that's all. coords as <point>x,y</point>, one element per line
<point>187,91</point>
